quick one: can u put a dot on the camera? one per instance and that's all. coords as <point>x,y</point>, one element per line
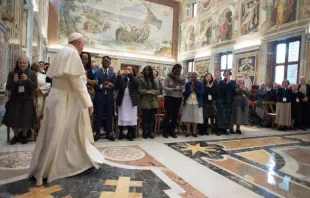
<point>19,72</point>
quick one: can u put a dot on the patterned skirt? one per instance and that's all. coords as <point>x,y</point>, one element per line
<point>224,114</point>
<point>283,116</point>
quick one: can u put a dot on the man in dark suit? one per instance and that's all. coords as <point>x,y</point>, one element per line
<point>305,88</point>
<point>104,98</point>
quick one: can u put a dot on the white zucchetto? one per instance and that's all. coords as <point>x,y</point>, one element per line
<point>75,36</point>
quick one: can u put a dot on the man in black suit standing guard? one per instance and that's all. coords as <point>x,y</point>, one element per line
<point>305,88</point>
<point>104,98</point>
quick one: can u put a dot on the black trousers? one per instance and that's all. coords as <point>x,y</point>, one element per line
<point>104,106</point>
<point>305,114</point>
<point>172,107</point>
<point>148,120</point>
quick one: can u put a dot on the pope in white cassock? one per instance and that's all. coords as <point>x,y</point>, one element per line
<point>64,146</point>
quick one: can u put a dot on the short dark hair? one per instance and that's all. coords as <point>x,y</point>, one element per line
<point>47,64</point>
<point>176,66</point>
<point>230,73</point>
<point>107,57</point>
<point>41,61</point>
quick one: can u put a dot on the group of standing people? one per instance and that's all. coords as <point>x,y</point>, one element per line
<point>208,103</point>
<point>292,103</point>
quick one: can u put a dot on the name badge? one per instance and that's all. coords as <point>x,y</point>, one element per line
<point>297,99</point>
<point>21,89</point>
<point>284,99</point>
<point>209,97</point>
<point>127,91</point>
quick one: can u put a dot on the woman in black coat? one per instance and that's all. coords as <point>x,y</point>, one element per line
<point>209,102</point>
<point>20,110</point>
<point>296,106</point>
<point>127,101</point>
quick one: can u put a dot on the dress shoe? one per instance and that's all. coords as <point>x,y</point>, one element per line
<point>120,136</point>
<point>194,135</point>
<point>96,138</point>
<point>111,138</point>
<point>232,131</point>
<point>303,128</point>
<point>186,134</point>
<point>165,135</point>
<point>217,133</point>
<point>23,140</point>
<point>206,133</point>
<point>151,136</point>
<point>174,135</point>
<point>14,140</point>
<point>144,136</point>
<point>130,138</point>
<point>238,131</point>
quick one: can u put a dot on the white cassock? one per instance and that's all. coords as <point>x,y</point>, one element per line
<point>44,88</point>
<point>64,145</point>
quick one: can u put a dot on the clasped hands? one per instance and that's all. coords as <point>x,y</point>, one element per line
<point>22,77</point>
<point>107,84</point>
<point>152,92</point>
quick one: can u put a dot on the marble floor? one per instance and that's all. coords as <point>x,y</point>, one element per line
<point>259,163</point>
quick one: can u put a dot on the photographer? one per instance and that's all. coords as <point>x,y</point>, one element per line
<point>20,111</point>
<point>127,101</point>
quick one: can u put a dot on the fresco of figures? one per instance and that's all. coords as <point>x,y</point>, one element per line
<point>122,25</point>
<point>225,26</point>
<point>283,11</point>
<point>206,32</point>
<point>249,16</point>
<point>223,22</point>
<point>189,38</point>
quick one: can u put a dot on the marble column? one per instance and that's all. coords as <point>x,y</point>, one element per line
<point>29,32</point>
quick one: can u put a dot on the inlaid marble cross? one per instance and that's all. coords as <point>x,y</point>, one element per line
<point>42,192</point>
<point>122,188</point>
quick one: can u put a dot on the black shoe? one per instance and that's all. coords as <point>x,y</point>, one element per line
<point>144,136</point>
<point>206,133</point>
<point>111,138</point>
<point>129,135</point>
<point>281,129</point>
<point>165,135</point>
<point>120,136</point>
<point>174,135</point>
<point>194,135</point>
<point>227,133</point>
<point>23,140</point>
<point>238,132</point>
<point>96,138</point>
<point>186,134</point>
<point>217,133</point>
<point>151,136</point>
<point>14,140</point>
<point>232,131</point>
<point>29,133</point>
<point>303,128</point>
<point>202,134</point>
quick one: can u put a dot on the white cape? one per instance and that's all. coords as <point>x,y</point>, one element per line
<point>64,146</point>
